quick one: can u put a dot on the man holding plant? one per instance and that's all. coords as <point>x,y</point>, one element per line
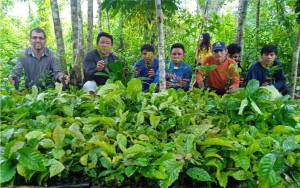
<point>225,77</point>
<point>268,71</point>
<point>39,63</point>
<point>97,60</point>
<point>147,67</point>
<point>178,73</point>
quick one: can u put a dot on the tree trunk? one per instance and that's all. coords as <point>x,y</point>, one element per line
<point>242,11</point>
<point>121,46</point>
<point>204,18</point>
<point>74,22</point>
<point>198,7</point>
<point>59,36</point>
<point>257,23</point>
<point>99,16</point>
<point>76,71</point>
<point>295,64</point>
<point>107,19</point>
<point>160,31</point>
<point>90,26</point>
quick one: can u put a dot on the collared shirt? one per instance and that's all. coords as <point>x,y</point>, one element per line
<point>38,72</point>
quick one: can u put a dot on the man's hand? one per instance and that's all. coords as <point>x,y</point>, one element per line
<point>200,84</point>
<point>67,79</point>
<point>168,84</point>
<point>232,89</point>
<point>11,79</point>
<point>183,83</point>
<point>151,73</point>
<point>100,65</point>
<point>265,84</point>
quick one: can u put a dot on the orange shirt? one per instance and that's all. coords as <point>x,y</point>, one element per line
<point>217,78</point>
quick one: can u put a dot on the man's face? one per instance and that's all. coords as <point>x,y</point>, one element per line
<point>177,55</point>
<point>266,58</point>
<point>234,56</point>
<point>220,55</point>
<point>147,56</point>
<point>105,45</point>
<point>37,41</point>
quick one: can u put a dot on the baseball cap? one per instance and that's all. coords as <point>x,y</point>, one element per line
<point>219,46</point>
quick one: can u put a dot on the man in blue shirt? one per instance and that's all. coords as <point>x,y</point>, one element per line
<point>147,67</point>
<point>268,71</point>
<point>178,73</point>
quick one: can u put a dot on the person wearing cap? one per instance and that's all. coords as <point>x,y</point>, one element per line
<point>97,60</point>
<point>178,73</point>
<point>262,70</point>
<point>40,64</point>
<point>224,78</point>
<point>147,67</point>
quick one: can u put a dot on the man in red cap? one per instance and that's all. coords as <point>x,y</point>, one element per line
<point>225,77</point>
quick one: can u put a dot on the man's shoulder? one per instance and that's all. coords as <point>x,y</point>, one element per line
<point>255,65</point>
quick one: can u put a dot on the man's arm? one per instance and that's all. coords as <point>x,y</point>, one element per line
<point>16,72</point>
<point>90,66</point>
<point>279,78</point>
<point>56,65</point>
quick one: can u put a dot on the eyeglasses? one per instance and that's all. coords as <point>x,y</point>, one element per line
<point>35,37</point>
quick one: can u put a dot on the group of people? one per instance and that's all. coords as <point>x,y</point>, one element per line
<point>226,76</point>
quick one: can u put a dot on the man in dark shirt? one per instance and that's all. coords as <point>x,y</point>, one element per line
<point>268,71</point>
<point>97,60</point>
<point>38,62</point>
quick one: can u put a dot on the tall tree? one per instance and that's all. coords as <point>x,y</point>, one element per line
<point>59,36</point>
<point>90,25</point>
<point>160,31</point>
<point>242,11</point>
<point>257,23</point>
<point>77,34</point>
<point>121,34</point>
<point>99,16</point>
<point>296,53</point>
<point>107,19</point>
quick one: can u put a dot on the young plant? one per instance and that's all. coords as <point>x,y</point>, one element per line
<point>235,69</point>
<point>206,69</point>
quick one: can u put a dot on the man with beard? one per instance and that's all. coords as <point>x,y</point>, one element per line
<point>97,60</point>
<point>40,64</point>
<point>225,77</point>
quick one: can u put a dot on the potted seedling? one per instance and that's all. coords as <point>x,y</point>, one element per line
<point>272,70</point>
<point>206,69</point>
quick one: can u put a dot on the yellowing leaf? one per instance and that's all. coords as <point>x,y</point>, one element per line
<point>84,159</point>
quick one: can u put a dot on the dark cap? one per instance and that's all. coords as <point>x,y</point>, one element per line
<point>219,46</point>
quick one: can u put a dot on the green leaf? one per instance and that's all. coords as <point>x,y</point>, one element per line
<point>34,135</point>
<point>122,142</point>
<point>134,86</point>
<point>244,103</point>
<point>107,147</point>
<point>58,136</point>
<point>47,143</point>
<point>173,168</point>
<point>58,153</point>
<point>252,87</point>
<point>216,141</point>
<point>84,159</point>
<point>7,172</point>
<point>135,149</point>
<point>75,129</point>
<point>154,121</point>
<point>199,174</point>
<point>241,175</point>
<point>266,175</point>
<point>289,144</point>
<point>56,167</point>
<point>12,147</point>
<point>31,159</point>
<point>25,172</point>
<point>223,179</point>
<point>241,158</point>
<point>296,177</point>
<point>106,162</point>
<point>68,110</point>
<point>129,170</point>
<point>255,107</point>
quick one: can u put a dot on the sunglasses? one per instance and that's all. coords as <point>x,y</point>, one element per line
<point>35,37</point>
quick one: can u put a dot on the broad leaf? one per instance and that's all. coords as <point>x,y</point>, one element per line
<point>58,153</point>
<point>199,174</point>
<point>8,171</point>
<point>34,135</point>
<point>122,142</point>
<point>56,167</point>
<point>58,136</point>
<point>31,159</point>
<point>216,141</point>
<point>173,168</point>
<point>241,158</point>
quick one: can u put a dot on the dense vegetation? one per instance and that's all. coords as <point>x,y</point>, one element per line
<point>123,136</point>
